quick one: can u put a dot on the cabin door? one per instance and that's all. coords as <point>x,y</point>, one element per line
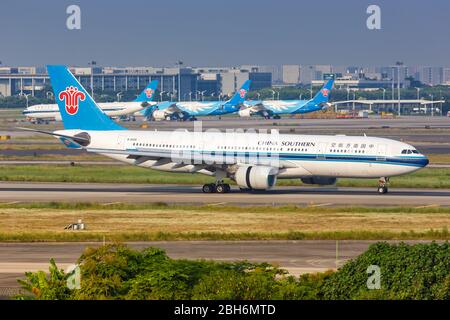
<point>381,152</point>
<point>321,150</point>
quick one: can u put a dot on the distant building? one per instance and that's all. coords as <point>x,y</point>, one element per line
<point>108,79</point>
<point>446,76</point>
<point>432,76</point>
<point>291,74</point>
<point>260,80</point>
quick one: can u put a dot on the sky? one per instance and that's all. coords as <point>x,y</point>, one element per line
<point>224,33</point>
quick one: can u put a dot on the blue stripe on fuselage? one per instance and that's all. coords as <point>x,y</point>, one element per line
<point>396,160</point>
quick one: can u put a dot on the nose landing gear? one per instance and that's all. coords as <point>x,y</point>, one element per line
<point>383,183</point>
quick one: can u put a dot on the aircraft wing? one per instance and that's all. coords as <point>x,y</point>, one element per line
<point>169,107</point>
<point>254,105</point>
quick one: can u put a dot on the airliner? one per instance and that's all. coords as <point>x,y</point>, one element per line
<point>253,160</point>
<point>46,112</point>
<point>189,110</point>
<point>275,108</point>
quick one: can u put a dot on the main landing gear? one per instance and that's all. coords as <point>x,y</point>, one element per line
<point>383,185</point>
<point>218,187</point>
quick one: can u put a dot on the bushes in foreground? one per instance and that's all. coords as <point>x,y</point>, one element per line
<point>420,271</point>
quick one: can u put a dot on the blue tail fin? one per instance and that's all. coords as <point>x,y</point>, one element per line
<point>323,95</point>
<point>78,110</point>
<point>148,93</point>
<point>239,96</point>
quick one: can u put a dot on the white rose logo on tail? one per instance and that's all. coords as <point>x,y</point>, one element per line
<point>148,93</point>
<point>325,92</point>
<point>242,93</point>
<point>71,96</point>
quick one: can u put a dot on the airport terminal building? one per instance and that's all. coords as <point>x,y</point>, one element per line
<point>193,82</point>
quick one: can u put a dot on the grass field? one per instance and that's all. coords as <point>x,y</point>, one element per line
<point>45,222</point>
<point>425,178</point>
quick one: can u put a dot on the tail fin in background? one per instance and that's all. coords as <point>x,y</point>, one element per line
<point>148,93</point>
<point>78,110</point>
<point>323,95</point>
<point>239,96</point>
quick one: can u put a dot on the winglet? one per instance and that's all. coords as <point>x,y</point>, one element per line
<point>78,110</point>
<point>148,93</point>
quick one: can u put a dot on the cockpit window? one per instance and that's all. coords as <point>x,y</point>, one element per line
<point>410,151</point>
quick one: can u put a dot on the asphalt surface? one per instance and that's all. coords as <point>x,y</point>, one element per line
<point>296,256</point>
<point>192,194</point>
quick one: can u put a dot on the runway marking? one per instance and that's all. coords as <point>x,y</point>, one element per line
<point>12,202</point>
<point>322,204</point>
<point>216,204</point>
<point>427,206</point>
<point>110,203</point>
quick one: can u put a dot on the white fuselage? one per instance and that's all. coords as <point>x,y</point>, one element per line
<point>295,156</point>
<point>112,109</point>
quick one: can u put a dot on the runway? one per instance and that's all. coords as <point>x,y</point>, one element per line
<point>192,194</point>
<point>296,256</point>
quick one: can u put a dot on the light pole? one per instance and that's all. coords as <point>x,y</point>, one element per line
<point>348,95</point>
<point>399,64</point>
<point>393,87</point>
<point>278,95</point>
<point>92,63</point>
<point>49,94</point>
<point>432,105</point>
<point>310,93</point>
<point>273,94</point>
<point>258,95</point>
<point>418,93</point>
<point>300,96</point>
<point>190,96</point>
<point>179,63</point>
<point>26,96</point>
<point>384,97</point>
<point>161,95</point>
<point>119,95</point>
<point>354,98</point>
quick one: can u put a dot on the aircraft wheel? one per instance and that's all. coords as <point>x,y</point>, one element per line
<point>382,190</point>
<point>209,188</point>
<point>223,188</point>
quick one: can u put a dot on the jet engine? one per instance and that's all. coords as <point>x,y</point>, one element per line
<point>323,181</point>
<point>256,177</point>
<point>245,112</point>
<point>159,115</point>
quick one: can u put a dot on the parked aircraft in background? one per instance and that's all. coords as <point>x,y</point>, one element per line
<point>189,110</point>
<point>252,160</point>
<point>50,112</point>
<point>274,108</point>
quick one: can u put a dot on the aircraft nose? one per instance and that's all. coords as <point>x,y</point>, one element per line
<point>426,161</point>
